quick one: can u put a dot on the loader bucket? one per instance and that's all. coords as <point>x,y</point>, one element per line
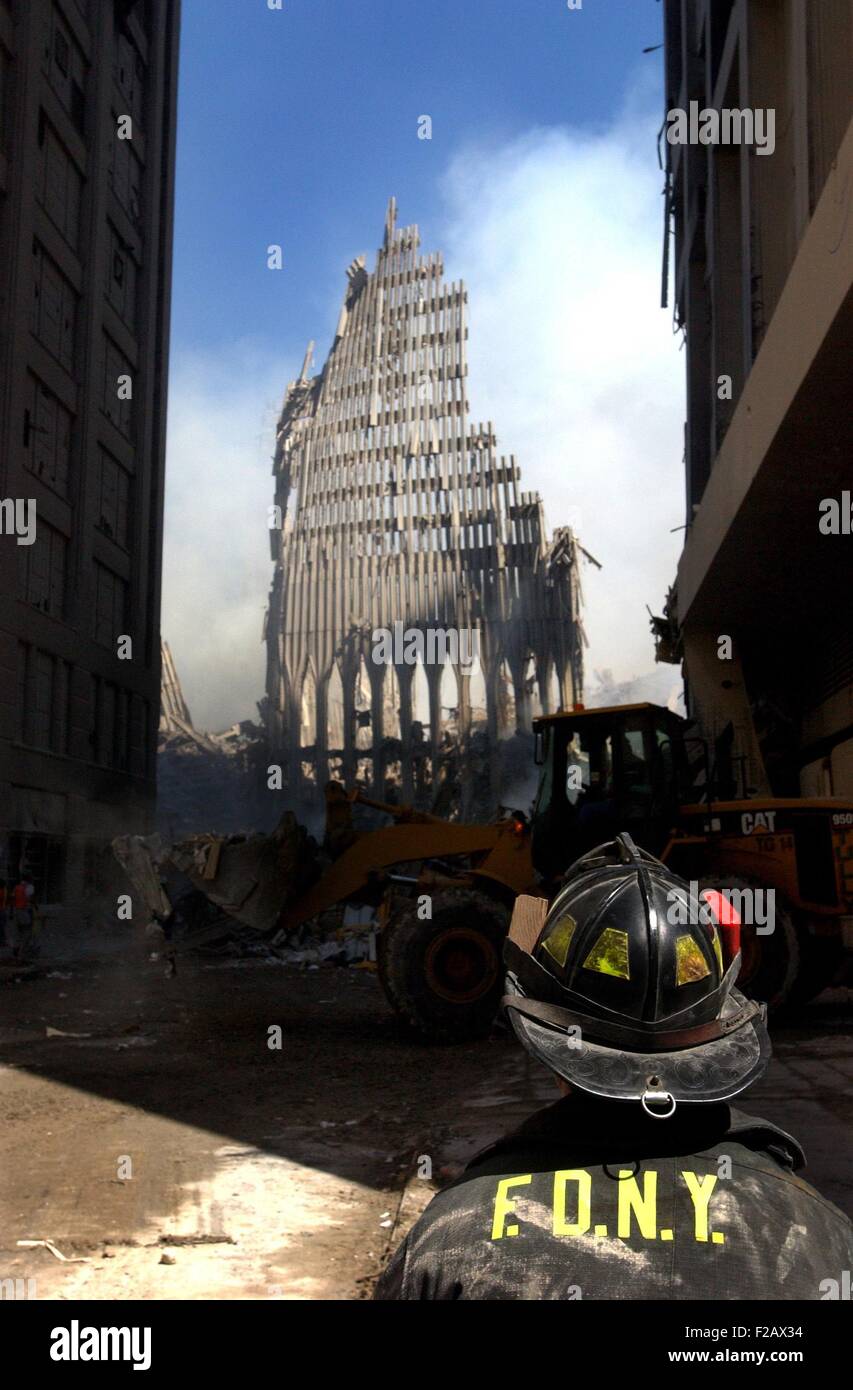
<point>250,877</point>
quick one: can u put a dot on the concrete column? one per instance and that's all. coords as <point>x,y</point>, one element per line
<point>404,680</point>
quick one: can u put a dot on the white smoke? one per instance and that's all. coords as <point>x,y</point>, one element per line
<point>558,236</point>
<point>216,563</point>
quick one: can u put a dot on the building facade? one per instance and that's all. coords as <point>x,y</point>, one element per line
<point>87,149</point>
<point>396,516</point>
<point>762,291</point>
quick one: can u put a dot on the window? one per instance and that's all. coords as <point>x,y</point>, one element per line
<point>635,772</point>
<point>43,688</point>
<point>59,184</point>
<point>111,731</point>
<point>577,770</point>
<point>138,736</point>
<point>41,707</point>
<point>110,612</point>
<point>604,753</point>
<point>106,730</point>
<point>672,773</point>
<point>47,437</point>
<point>64,65</point>
<point>589,767</point>
<point>121,278</point>
<point>126,174</point>
<point>42,570</point>
<point>116,408</point>
<point>54,310</point>
<point>129,73</point>
<point>114,500</point>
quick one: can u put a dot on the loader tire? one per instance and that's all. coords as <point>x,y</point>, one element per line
<point>444,976</point>
<point>770,962</point>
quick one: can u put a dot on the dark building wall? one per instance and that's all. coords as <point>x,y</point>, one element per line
<point>85,270</point>
<point>739,218</point>
<point>762,290</point>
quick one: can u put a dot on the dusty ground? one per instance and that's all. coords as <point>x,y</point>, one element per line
<point>173,1154</point>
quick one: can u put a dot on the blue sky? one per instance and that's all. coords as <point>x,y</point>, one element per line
<point>297,124</point>
<point>540,185</point>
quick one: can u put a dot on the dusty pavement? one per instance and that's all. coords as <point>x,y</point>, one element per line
<point>171,1153</point>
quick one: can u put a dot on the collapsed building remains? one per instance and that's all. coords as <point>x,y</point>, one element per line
<point>394,515</point>
<point>204,781</point>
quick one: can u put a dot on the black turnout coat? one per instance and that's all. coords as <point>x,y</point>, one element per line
<point>594,1199</point>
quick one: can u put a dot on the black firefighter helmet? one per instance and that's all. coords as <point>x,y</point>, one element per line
<point>624,990</point>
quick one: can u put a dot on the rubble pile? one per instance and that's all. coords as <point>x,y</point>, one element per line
<point>222,897</point>
<point>207,781</point>
<point>310,947</point>
<point>248,877</point>
<point>204,781</point>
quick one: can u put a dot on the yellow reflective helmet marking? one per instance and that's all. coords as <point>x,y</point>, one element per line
<point>718,950</point>
<point>609,955</point>
<point>690,964</point>
<point>559,939</point>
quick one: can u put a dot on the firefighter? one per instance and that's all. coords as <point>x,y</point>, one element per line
<point>23,916</point>
<point>642,1182</point>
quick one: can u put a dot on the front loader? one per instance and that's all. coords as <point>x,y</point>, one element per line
<point>787,863</point>
<point>443,892</point>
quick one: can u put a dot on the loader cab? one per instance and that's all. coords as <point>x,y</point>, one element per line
<point>604,771</point>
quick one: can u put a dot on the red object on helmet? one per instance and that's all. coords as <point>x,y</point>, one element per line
<point>728,919</point>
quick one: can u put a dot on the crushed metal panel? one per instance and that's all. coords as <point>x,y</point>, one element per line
<point>142,858</point>
<point>252,878</point>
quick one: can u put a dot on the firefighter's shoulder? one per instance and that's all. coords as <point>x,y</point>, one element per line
<point>732,1221</point>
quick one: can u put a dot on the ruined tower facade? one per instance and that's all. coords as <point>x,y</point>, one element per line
<point>396,516</point>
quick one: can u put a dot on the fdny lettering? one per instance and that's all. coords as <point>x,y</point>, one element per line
<point>636,1206</point>
<point>504,1205</point>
